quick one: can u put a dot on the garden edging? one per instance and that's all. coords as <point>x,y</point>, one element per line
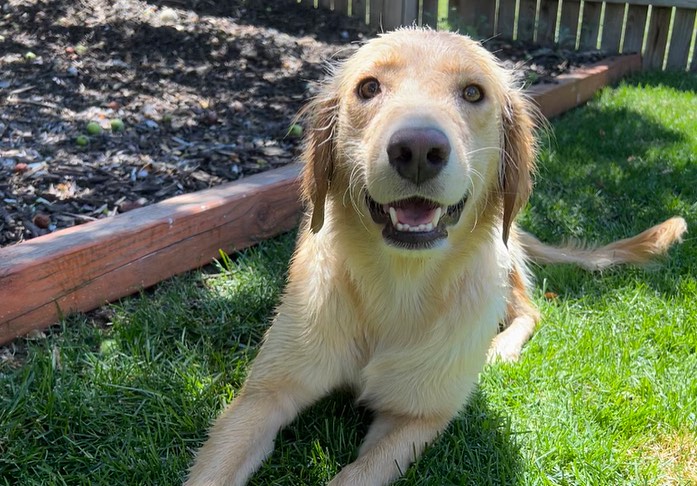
<point>86,266</point>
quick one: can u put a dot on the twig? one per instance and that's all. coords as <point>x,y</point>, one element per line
<point>18,101</point>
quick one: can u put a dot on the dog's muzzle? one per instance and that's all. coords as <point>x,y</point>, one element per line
<point>415,223</point>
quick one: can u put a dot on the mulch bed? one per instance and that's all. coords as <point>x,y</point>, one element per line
<point>206,91</point>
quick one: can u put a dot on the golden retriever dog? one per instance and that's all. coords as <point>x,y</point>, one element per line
<point>418,157</point>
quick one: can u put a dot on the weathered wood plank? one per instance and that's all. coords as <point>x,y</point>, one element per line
<point>376,7</point>
<point>358,9</point>
<point>477,16</point>
<point>83,267</point>
<point>392,14</point>
<point>506,25</point>
<point>590,26</point>
<point>527,13</point>
<point>683,27</point>
<point>612,27</point>
<point>325,4</point>
<point>410,13</point>
<point>341,6</point>
<point>634,31</point>
<point>429,13</point>
<point>547,23</point>
<point>657,37</point>
<point>659,3</point>
<point>308,3</point>
<point>568,23</point>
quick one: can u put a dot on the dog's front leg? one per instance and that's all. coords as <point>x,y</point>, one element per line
<point>391,445</point>
<point>243,435</point>
<point>521,319</point>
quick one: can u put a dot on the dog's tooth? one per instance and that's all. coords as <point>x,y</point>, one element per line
<point>436,217</point>
<point>401,227</point>
<point>393,216</point>
<point>428,227</point>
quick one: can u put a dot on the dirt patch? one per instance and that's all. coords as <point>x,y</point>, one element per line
<point>106,106</point>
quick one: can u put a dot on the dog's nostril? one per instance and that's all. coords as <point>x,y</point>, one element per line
<point>436,156</point>
<point>418,154</point>
<point>405,154</point>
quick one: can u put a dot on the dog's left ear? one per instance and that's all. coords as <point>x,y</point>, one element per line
<point>318,154</point>
<point>517,157</point>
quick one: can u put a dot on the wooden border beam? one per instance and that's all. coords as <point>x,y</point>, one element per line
<point>86,266</point>
<point>83,267</point>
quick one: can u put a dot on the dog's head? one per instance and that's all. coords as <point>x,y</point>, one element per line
<point>416,132</point>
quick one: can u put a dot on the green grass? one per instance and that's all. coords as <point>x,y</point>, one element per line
<point>605,393</point>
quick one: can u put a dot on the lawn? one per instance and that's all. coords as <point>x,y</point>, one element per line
<point>605,393</point>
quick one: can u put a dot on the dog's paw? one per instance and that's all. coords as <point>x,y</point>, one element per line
<point>503,350</point>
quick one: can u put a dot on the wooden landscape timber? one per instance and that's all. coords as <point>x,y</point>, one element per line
<point>84,267</point>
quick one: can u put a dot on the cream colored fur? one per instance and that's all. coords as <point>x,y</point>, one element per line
<point>408,330</point>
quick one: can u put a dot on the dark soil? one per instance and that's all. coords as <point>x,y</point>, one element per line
<point>206,91</point>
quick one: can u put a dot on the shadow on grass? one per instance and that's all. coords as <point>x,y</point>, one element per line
<point>672,79</point>
<point>611,173</point>
<point>477,448</point>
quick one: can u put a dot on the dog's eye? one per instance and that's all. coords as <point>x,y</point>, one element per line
<point>472,93</point>
<point>368,88</point>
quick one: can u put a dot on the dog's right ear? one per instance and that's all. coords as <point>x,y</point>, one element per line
<point>318,154</point>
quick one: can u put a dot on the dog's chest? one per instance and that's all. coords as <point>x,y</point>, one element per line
<point>425,344</point>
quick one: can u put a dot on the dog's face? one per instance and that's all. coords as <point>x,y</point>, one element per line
<point>415,130</point>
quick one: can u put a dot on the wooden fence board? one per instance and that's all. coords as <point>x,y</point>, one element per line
<point>475,16</point>
<point>83,267</point>
<point>612,27</point>
<point>547,23</point>
<point>657,37</point>
<point>634,31</point>
<point>341,6</point>
<point>308,3</point>
<point>429,13</point>
<point>326,4</point>
<point>683,27</point>
<point>392,13</point>
<point>691,4</point>
<point>590,26</point>
<point>358,9</point>
<point>568,23</point>
<point>410,13</point>
<point>527,11</point>
<point>506,24</point>
<point>375,7</point>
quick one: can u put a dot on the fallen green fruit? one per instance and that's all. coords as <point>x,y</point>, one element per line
<point>295,131</point>
<point>30,56</point>
<point>93,128</point>
<point>82,140</point>
<point>117,125</point>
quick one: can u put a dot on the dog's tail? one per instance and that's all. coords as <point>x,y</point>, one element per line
<point>635,250</point>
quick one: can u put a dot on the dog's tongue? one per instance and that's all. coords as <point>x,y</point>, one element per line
<point>415,213</point>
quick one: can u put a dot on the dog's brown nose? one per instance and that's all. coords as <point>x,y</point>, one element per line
<point>418,154</point>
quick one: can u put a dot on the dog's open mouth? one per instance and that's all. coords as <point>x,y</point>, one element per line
<point>415,223</point>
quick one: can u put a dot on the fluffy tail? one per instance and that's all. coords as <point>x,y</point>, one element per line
<point>635,250</point>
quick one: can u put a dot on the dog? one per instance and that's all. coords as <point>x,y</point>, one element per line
<point>409,271</point>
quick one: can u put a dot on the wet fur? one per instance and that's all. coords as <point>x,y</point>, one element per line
<point>408,330</point>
